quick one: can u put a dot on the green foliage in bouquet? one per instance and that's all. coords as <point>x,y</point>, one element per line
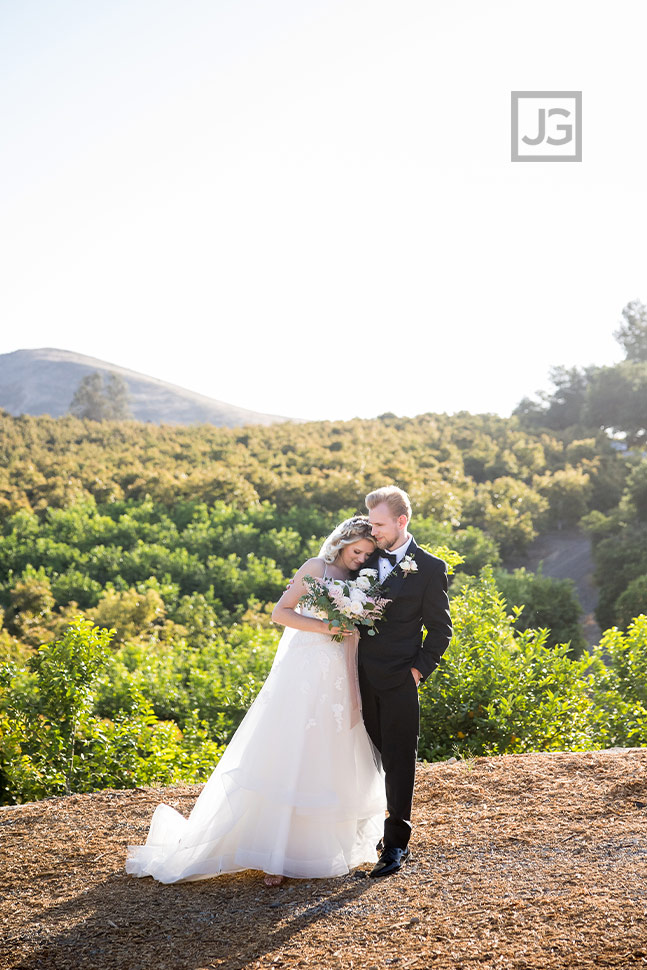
<point>346,604</point>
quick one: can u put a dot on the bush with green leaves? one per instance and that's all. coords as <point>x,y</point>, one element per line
<point>619,684</point>
<point>82,715</point>
<point>500,690</point>
<point>219,677</point>
<point>52,742</point>
<point>545,603</point>
<point>620,550</point>
<point>632,602</point>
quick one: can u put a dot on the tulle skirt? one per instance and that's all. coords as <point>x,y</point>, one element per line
<point>298,791</point>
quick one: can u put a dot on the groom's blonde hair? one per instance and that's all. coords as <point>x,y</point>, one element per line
<point>396,499</point>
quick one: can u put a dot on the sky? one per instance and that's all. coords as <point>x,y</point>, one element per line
<point>309,208</point>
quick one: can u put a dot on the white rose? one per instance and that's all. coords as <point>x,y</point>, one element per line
<point>346,604</point>
<point>372,573</point>
<point>357,596</point>
<point>356,607</point>
<point>362,582</point>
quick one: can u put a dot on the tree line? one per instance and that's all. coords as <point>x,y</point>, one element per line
<point>612,398</point>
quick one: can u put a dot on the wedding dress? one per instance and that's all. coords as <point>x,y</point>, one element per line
<point>297,792</point>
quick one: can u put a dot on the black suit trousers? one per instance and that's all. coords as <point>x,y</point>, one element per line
<point>392,719</point>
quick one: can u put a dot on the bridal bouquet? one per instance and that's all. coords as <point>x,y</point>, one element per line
<point>345,603</point>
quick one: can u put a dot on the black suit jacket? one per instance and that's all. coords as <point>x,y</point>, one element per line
<point>417,599</point>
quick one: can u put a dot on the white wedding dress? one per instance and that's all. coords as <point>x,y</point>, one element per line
<point>297,791</point>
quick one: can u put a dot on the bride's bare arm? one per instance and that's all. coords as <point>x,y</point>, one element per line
<point>285,613</point>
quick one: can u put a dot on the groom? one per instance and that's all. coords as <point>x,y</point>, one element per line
<point>394,661</point>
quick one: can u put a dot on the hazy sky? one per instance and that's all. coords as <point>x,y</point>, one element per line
<point>308,207</point>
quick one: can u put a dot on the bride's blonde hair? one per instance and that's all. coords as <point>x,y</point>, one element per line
<point>358,527</point>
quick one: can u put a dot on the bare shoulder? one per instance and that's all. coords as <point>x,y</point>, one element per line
<point>312,567</point>
<point>297,586</point>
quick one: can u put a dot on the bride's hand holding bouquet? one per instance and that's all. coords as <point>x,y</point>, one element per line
<point>345,604</point>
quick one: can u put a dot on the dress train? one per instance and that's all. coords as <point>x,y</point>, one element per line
<point>298,791</point>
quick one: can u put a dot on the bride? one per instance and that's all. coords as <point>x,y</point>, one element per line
<point>298,791</point>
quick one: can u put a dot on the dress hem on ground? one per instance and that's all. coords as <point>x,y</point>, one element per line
<point>298,791</point>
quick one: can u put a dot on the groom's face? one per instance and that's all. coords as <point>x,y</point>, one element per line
<point>388,531</point>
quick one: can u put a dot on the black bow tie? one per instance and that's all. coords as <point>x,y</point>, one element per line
<point>391,556</point>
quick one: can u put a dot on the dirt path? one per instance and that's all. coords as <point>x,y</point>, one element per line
<point>567,555</point>
<point>522,861</point>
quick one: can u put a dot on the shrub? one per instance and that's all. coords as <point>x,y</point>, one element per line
<point>51,742</point>
<point>498,690</point>
<point>632,602</point>
<point>219,678</point>
<point>619,684</point>
<point>545,603</point>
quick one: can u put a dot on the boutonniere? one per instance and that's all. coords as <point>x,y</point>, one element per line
<point>409,565</point>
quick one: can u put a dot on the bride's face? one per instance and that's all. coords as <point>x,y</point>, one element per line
<point>354,555</point>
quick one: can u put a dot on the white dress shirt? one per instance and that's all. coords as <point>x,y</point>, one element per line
<point>385,566</point>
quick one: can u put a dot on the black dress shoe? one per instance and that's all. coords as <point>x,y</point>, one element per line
<point>391,860</point>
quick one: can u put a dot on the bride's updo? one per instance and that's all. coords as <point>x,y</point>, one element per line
<point>358,527</point>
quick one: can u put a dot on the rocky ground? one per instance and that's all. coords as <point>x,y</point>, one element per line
<point>522,861</point>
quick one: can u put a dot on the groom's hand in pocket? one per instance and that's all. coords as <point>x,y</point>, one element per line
<point>417,676</point>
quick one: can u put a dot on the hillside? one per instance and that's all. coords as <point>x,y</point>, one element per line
<point>566,554</point>
<point>530,862</point>
<point>43,382</point>
<point>479,483</point>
